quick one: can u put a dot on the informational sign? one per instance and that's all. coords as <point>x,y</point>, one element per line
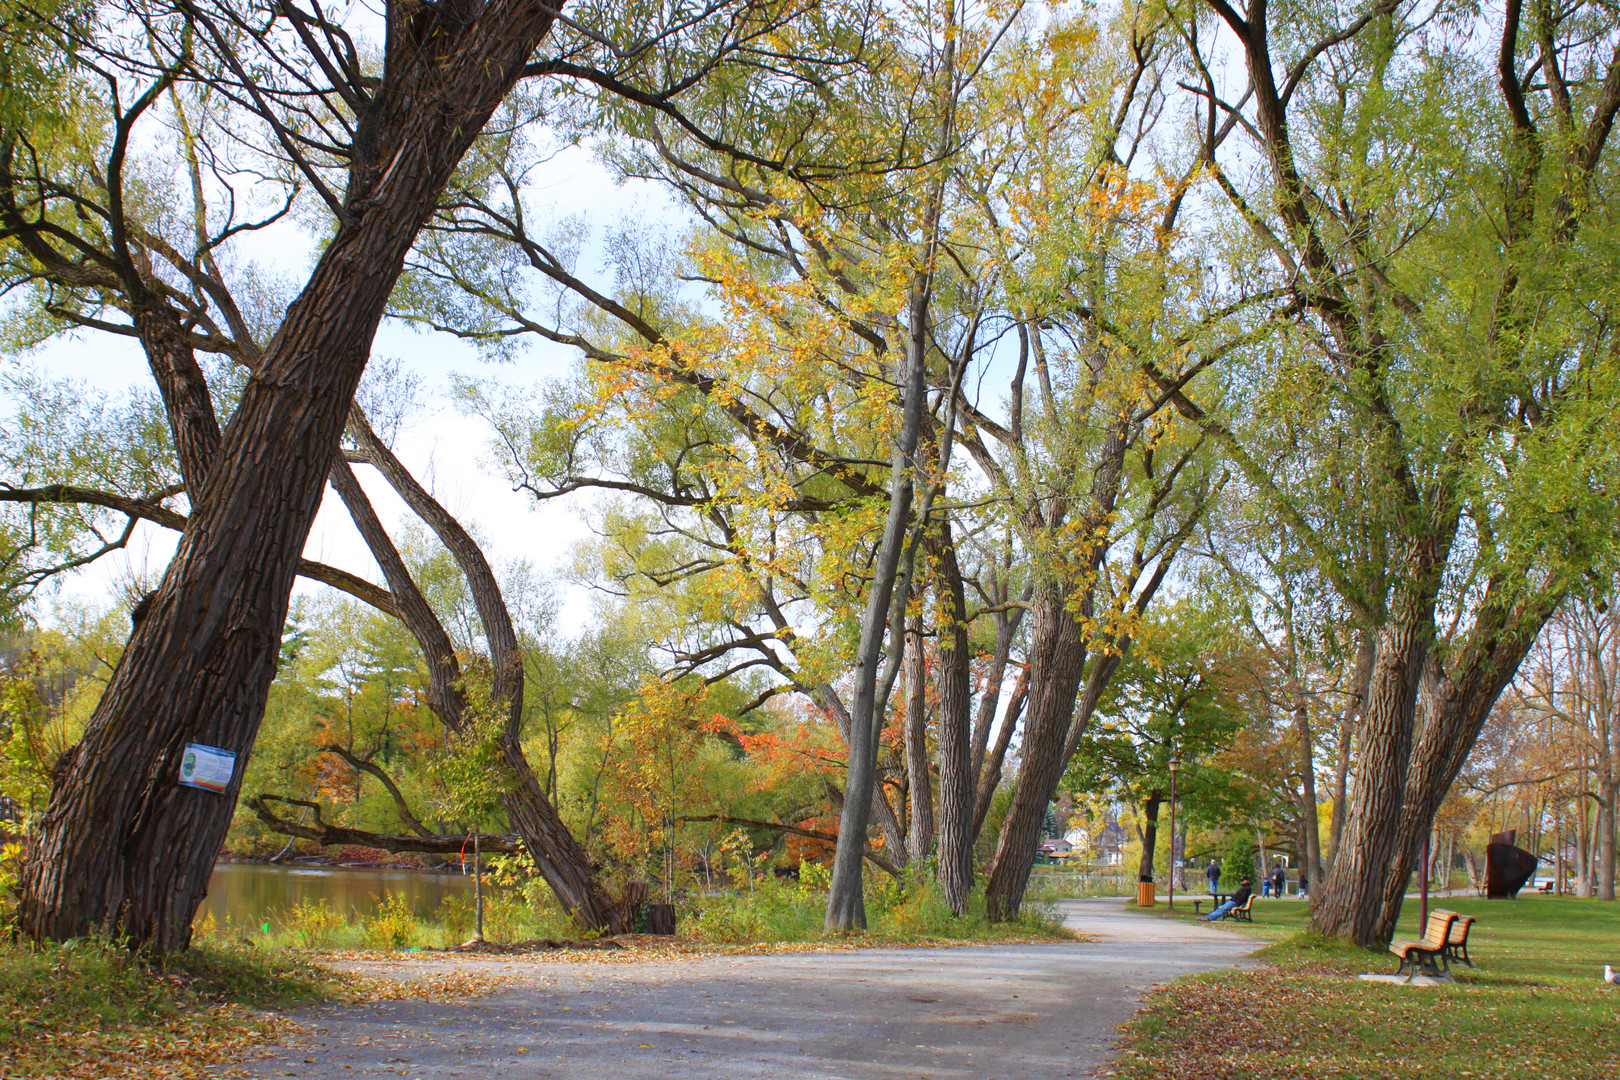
<point>207,767</point>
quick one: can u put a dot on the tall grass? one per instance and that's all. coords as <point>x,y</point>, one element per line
<point>767,910</point>
<point>899,910</point>
<point>510,915</point>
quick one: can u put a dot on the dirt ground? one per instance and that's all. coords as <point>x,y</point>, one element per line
<point>997,1012</point>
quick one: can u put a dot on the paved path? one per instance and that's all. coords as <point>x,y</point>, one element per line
<point>992,1012</point>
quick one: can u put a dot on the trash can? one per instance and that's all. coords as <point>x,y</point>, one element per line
<point>1144,894</point>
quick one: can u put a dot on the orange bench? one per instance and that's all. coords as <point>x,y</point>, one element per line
<point>1457,939</point>
<point>1428,955</point>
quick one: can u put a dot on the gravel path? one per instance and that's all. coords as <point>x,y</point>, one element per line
<point>1004,1011</point>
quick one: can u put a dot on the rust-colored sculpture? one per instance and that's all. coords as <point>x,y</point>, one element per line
<point>1507,868</point>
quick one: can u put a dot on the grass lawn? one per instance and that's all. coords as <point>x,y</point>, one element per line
<point>1535,1007</point>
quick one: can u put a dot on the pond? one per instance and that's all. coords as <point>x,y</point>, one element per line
<point>250,894</point>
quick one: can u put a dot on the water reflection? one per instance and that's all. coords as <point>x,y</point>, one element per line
<point>248,895</point>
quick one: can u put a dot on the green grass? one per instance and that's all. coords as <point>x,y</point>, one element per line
<point>897,912</point>
<point>772,912</point>
<point>92,1009</point>
<point>1533,1008</point>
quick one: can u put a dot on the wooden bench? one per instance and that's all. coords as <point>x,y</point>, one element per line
<point>1427,956</point>
<point>1457,939</point>
<point>1241,914</point>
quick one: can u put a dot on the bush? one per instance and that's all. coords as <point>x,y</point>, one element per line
<point>1240,860</point>
<point>901,909</point>
<point>456,917</point>
<point>312,924</point>
<point>392,926</point>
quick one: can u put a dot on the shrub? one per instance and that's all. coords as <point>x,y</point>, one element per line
<point>455,916</point>
<point>1240,860</point>
<point>392,926</point>
<point>313,924</point>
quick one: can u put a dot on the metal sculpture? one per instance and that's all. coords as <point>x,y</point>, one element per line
<point>1507,868</point>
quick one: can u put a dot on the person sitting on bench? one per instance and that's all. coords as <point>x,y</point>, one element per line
<point>1238,899</point>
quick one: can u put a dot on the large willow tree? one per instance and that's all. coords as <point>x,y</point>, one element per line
<point>1428,187</point>
<point>361,137</point>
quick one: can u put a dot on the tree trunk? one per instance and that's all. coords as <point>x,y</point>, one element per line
<point>920,834</point>
<point>1057,657</point>
<point>1150,838</point>
<point>1454,712</point>
<point>1365,654</point>
<point>957,795</point>
<point>122,847</point>
<point>1310,831</point>
<point>990,698</point>
<point>846,906</point>
<point>559,857</point>
<point>1367,851</point>
<point>1606,839</point>
<point>1583,851</point>
<point>990,775</point>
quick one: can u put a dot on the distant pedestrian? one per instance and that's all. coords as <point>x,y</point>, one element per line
<point>1213,872</point>
<point>1279,882</point>
<point>1304,885</point>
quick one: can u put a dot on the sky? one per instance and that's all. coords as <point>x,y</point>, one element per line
<point>449,451</point>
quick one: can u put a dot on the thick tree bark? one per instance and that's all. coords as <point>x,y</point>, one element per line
<point>1355,883</point>
<point>919,785</point>
<point>1150,838</point>
<point>957,795</point>
<point>122,846</point>
<point>1453,712</point>
<point>1366,653</point>
<point>1057,658</point>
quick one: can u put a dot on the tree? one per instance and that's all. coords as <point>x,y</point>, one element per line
<point>1431,411</point>
<point>199,664</point>
<point>1571,678</point>
<point>759,440</point>
<point>1174,696</point>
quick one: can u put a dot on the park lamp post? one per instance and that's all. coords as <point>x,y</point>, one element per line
<point>1175,767</point>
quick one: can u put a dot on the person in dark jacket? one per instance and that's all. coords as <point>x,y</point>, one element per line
<point>1279,882</point>
<point>1213,872</point>
<point>1239,898</point>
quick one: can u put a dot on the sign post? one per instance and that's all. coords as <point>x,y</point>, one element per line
<point>207,767</point>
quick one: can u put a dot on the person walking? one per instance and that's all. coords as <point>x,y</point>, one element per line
<point>1279,882</point>
<point>1213,872</point>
